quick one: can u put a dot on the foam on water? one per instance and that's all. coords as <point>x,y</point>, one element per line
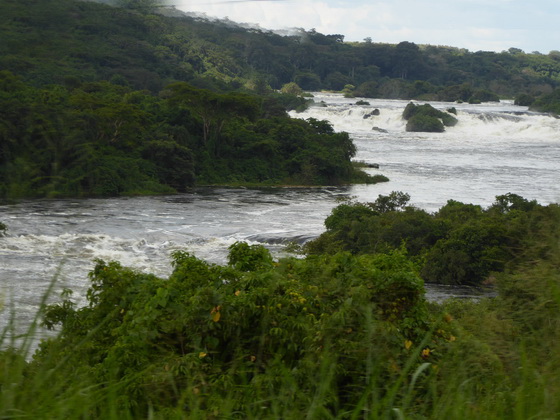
<point>499,120</point>
<point>494,149</point>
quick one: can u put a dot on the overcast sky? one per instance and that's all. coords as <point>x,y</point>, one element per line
<point>488,25</point>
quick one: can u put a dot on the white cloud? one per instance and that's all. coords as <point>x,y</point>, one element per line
<point>473,24</point>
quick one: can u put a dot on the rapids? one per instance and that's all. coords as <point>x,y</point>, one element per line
<point>494,149</point>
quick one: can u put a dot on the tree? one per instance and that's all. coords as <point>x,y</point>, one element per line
<point>213,108</point>
<point>407,60</point>
<point>140,5</point>
<point>308,81</point>
<point>395,201</point>
<point>291,88</point>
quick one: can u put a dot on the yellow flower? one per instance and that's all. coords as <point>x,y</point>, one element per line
<point>407,344</point>
<point>215,313</point>
<point>202,355</point>
<point>426,353</point>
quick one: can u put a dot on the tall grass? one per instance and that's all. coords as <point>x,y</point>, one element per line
<point>503,363</point>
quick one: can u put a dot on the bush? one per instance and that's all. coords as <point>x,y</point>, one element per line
<point>483,96</point>
<point>524,100</point>
<point>251,340</point>
<point>425,123</point>
<point>425,118</point>
<point>291,89</point>
<point>459,244</point>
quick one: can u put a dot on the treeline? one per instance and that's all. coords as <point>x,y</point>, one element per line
<point>343,335</point>
<point>102,139</point>
<point>459,244</point>
<point>93,99</point>
<point>68,41</point>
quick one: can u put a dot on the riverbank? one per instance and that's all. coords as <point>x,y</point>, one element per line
<point>330,336</point>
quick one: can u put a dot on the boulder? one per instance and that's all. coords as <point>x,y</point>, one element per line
<point>373,113</point>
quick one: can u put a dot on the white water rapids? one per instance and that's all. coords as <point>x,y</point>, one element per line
<point>494,149</point>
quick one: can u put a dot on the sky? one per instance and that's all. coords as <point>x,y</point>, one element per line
<point>478,25</point>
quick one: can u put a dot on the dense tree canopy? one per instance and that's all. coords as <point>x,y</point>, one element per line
<point>65,41</point>
<point>459,244</point>
<point>101,138</point>
<point>104,100</point>
<point>97,99</point>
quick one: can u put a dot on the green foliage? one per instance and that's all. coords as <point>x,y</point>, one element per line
<point>292,89</point>
<point>174,163</point>
<point>97,139</point>
<point>468,255</point>
<point>3,229</point>
<point>107,139</point>
<point>460,244</point>
<point>426,118</point>
<point>395,201</point>
<point>233,339</point>
<point>86,41</point>
<point>308,81</point>
<point>512,355</point>
<point>524,100</point>
<point>246,257</point>
<point>377,227</point>
<point>482,95</point>
<point>548,103</point>
<point>326,336</point>
<point>367,90</point>
<point>424,123</point>
<point>455,93</point>
<point>79,81</point>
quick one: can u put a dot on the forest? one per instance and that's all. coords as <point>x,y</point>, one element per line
<point>104,139</point>
<point>99,100</point>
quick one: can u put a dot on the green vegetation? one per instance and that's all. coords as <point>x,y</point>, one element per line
<point>3,229</point>
<point>66,41</point>
<point>459,244</point>
<point>327,336</point>
<point>547,103</point>
<point>101,138</point>
<point>426,118</point>
<point>104,100</point>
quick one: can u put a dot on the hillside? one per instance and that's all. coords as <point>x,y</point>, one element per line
<point>69,41</point>
<point>101,100</point>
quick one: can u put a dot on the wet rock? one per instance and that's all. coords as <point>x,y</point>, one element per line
<point>373,113</point>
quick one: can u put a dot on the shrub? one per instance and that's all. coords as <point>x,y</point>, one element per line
<point>425,118</point>
<point>524,100</point>
<point>233,339</point>
<point>425,123</point>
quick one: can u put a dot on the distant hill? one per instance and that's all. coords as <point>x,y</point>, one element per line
<point>103,100</point>
<point>69,41</point>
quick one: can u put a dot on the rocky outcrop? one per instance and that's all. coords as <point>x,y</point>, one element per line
<point>373,113</point>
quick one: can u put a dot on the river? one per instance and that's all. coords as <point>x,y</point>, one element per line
<point>495,149</point>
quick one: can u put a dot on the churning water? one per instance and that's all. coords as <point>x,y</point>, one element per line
<point>494,149</point>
